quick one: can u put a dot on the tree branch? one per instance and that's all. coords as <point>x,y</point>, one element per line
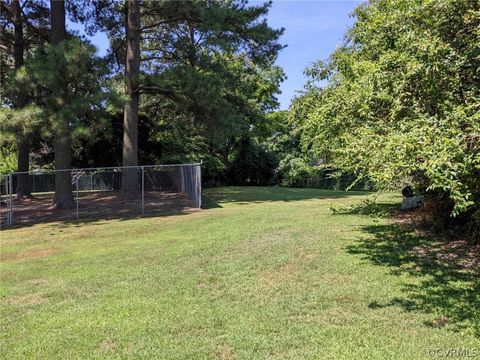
<point>161,22</point>
<point>153,89</point>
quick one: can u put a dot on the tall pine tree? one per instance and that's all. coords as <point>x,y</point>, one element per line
<point>63,157</point>
<point>130,117</point>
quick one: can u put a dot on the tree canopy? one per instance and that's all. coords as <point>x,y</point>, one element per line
<point>401,100</point>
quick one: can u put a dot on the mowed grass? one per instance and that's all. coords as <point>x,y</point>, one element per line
<point>260,273</point>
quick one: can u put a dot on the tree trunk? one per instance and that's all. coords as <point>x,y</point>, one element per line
<point>23,145</point>
<point>130,183</point>
<point>63,158</point>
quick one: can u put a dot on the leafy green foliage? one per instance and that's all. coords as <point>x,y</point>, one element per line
<point>402,101</point>
<point>293,169</point>
<point>8,160</point>
<point>299,172</point>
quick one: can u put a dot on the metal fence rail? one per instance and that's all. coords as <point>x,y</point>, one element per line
<point>96,193</point>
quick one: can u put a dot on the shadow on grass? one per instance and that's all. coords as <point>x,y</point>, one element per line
<point>447,280</point>
<point>98,208</point>
<point>99,219</point>
<point>242,195</point>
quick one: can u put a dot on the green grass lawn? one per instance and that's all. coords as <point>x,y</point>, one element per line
<point>260,273</point>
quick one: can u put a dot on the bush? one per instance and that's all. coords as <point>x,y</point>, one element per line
<point>368,206</point>
<point>298,172</point>
<point>8,160</point>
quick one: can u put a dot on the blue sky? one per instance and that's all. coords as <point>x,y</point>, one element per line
<point>313,29</point>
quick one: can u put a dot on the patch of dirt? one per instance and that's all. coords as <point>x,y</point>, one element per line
<point>28,299</point>
<point>106,345</point>
<point>447,248</point>
<point>441,322</point>
<point>28,255</point>
<point>454,252</point>
<point>224,352</point>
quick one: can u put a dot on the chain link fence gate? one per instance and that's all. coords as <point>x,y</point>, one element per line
<point>98,193</point>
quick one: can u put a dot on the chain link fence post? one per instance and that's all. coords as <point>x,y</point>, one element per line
<point>199,179</point>
<point>143,190</point>
<point>7,207</point>
<point>76,182</point>
<point>7,198</point>
<point>10,200</point>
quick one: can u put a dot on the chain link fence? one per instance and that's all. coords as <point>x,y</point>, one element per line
<point>98,193</point>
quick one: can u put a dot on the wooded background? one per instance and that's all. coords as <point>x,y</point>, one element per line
<point>397,104</point>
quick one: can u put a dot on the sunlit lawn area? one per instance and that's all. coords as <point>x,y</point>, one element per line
<point>260,273</point>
